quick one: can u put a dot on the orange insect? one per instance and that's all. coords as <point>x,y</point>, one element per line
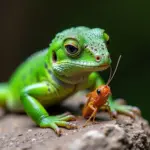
<point>98,98</point>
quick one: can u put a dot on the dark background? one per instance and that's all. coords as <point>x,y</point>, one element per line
<point>29,25</point>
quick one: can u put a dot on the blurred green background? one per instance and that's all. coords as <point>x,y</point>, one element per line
<point>28,26</point>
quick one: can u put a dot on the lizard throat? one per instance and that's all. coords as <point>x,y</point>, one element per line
<point>72,79</point>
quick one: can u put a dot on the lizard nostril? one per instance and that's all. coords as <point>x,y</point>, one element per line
<point>98,58</point>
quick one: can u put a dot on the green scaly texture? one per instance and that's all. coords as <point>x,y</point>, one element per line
<point>68,65</point>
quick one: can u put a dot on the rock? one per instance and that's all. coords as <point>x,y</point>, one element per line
<point>91,139</point>
<point>125,134</point>
<point>122,133</point>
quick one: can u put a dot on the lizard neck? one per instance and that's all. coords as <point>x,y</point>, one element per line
<point>58,80</point>
<point>64,80</point>
<point>54,77</point>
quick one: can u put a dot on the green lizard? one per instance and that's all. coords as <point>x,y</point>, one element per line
<point>68,65</point>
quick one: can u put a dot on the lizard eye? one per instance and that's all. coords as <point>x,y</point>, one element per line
<point>98,91</point>
<point>72,47</point>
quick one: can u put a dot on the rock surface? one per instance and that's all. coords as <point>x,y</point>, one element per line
<point>18,132</point>
<point>114,137</point>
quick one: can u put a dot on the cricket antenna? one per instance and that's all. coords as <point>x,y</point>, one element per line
<point>111,77</point>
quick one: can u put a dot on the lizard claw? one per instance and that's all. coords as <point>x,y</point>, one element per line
<point>113,114</point>
<point>58,132</point>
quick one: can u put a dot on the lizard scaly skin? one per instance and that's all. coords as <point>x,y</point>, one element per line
<point>68,65</point>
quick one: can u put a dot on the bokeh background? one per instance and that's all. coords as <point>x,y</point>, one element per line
<point>28,26</point>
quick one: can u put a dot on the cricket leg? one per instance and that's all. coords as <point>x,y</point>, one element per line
<point>93,114</point>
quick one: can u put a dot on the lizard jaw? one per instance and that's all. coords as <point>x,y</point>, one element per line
<point>81,66</point>
<point>74,73</point>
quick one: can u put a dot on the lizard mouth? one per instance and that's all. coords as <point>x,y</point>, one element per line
<point>68,67</point>
<point>104,66</point>
<point>83,64</point>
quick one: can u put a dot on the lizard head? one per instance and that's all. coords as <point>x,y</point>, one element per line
<point>76,52</point>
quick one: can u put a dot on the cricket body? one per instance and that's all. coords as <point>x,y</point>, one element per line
<point>98,98</point>
<point>68,65</point>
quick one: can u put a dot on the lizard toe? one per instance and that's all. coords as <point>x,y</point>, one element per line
<point>136,110</point>
<point>120,101</point>
<point>67,125</point>
<point>68,118</point>
<point>63,115</point>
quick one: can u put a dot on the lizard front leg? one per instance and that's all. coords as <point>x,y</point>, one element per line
<point>115,106</point>
<point>37,112</point>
